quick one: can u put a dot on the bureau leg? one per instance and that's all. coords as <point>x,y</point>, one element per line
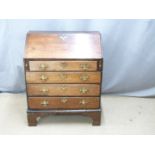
<point>96,118</point>
<point>32,119</point>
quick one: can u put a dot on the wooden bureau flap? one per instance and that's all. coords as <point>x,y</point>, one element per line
<point>63,45</point>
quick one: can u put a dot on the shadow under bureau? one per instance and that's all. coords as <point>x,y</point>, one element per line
<point>63,74</point>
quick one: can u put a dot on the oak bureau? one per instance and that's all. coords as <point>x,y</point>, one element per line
<point>63,74</point>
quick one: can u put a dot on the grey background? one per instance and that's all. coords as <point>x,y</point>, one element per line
<point>129,52</point>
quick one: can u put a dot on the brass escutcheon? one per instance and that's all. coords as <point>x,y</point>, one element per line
<point>44,103</point>
<point>83,102</point>
<point>43,66</point>
<point>84,77</point>
<point>44,90</point>
<point>63,88</point>
<point>43,77</point>
<point>84,66</point>
<point>83,90</point>
<point>63,76</point>
<point>63,65</point>
<point>64,100</point>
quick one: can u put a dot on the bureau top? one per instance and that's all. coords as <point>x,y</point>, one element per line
<point>63,45</point>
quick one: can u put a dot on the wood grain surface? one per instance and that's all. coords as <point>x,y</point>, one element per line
<point>63,45</point>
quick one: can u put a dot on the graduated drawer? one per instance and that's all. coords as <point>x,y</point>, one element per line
<point>63,65</point>
<point>63,102</point>
<point>63,89</point>
<point>63,77</point>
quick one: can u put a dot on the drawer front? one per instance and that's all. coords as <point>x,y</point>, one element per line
<point>63,102</point>
<point>63,89</point>
<point>63,77</point>
<point>63,65</point>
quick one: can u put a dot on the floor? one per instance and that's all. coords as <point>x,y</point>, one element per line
<point>121,115</point>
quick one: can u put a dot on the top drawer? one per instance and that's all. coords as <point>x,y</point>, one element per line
<point>63,65</point>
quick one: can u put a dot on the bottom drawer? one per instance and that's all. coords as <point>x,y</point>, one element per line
<point>63,102</point>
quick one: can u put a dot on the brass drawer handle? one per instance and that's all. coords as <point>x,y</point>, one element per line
<point>43,77</point>
<point>44,90</point>
<point>64,100</point>
<point>83,102</point>
<point>43,67</point>
<point>63,65</point>
<point>63,76</point>
<point>44,103</point>
<point>83,90</point>
<point>84,66</point>
<point>84,77</point>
